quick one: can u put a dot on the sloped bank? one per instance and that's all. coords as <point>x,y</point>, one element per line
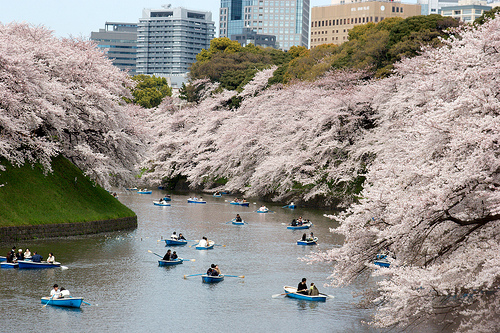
<point>62,203</point>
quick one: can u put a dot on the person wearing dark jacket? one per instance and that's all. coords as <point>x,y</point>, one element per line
<point>302,287</point>
<point>36,257</point>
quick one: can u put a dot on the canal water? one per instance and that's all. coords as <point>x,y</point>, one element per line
<point>130,292</point>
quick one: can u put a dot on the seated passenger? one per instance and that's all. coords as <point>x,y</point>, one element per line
<point>167,255</point>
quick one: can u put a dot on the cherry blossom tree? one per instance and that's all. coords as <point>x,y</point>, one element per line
<point>63,96</point>
<point>431,195</point>
<point>283,141</point>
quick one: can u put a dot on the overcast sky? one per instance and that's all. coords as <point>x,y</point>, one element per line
<point>80,18</point>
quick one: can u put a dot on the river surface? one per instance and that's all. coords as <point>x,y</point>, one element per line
<point>129,292</point>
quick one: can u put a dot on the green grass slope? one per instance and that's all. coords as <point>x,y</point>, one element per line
<point>28,197</point>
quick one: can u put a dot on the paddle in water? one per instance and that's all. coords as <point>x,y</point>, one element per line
<point>50,299</point>
<point>155,253</point>
<point>238,276</point>
<point>186,276</point>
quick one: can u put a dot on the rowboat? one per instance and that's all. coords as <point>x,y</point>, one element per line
<point>240,203</point>
<point>132,189</point>
<point>162,203</point>
<point>305,225</point>
<point>169,262</point>
<point>209,246</point>
<point>68,302</point>
<point>195,200</point>
<point>9,265</point>
<point>170,242</point>
<point>291,206</point>
<point>2,258</point>
<point>32,264</point>
<point>212,279</point>
<point>217,195</point>
<point>263,210</point>
<point>292,292</point>
<point>382,261</point>
<point>308,242</point>
<point>145,192</point>
<point>233,221</point>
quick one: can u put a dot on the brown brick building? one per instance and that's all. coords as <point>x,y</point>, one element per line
<point>331,24</point>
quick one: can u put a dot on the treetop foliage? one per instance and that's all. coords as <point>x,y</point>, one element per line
<point>149,91</point>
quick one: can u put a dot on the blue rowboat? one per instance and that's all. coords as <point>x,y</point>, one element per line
<point>292,292</point>
<point>198,201</point>
<point>290,206</point>
<point>233,221</point>
<point>32,264</point>
<point>170,242</point>
<point>9,265</point>
<point>263,210</point>
<point>132,189</point>
<point>158,203</point>
<point>308,242</point>
<point>305,225</point>
<point>208,247</point>
<point>240,203</point>
<point>2,258</point>
<point>217,195</point>
<point>145,192</point>
<point>169,262</point>
<point>70,302</point>
<point>212,279</point>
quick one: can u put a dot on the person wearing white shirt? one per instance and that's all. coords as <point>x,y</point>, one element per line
<point>51,259</point>
<point>174,236</point>
<point>55,292</point>
<point>203,242</point>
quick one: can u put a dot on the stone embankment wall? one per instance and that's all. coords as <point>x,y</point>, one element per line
<point>30,232</point>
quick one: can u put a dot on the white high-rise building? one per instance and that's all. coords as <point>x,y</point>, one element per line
<point>288,20</point>
<point>169,39</point>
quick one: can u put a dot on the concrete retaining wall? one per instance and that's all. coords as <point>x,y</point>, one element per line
<point>29,232</point>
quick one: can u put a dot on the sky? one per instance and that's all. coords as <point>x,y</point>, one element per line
<point>79,18</point>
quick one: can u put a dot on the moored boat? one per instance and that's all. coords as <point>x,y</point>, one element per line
<point>160,203</point>
<point>169,262</point>
<point>292,292</point>
<point>68,302</point>
<point>32,264</point>
<point>196,200</point>
<point>9,265</point>
<point>305,225</point>
<point>209,246</point>
<point>382,261</point>
<point>212,279</point>
<point>170,242</point>
<point>313,241</point>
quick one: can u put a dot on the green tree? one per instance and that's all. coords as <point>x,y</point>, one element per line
<point>149,91</point>
<point>487,15</point>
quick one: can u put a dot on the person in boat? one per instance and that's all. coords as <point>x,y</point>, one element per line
<point>55,292</point>
<point>262,208</point>
<point>294,223</point>
<point>51,259</point>
<point>64,292</point>
<point>174,256</point>
<point>238,218</point>
<point>203,242</point>
<point>302,287</point>
<point>311,237</point>
<point>214,270</point>
<point>36,257</point>
<point>174,236</point>
<point>20,255</point>
<point>313,291</point>
<point>299,220</point>
<point>27,254</point>
<point>304,237</point>
<point>181,237</point>
<point>9,257</point>
<point>167,256</point>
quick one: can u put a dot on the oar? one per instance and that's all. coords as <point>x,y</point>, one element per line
<point>329,296</point>
<point>186,276</point>
<point>220,245</point>
<point>238,276</point>
<point>188,259</point>
<point>277,295</point>
<point>86,303</point>
<point>51,297</point>
<point>230,221</point>
<point>155,253</point>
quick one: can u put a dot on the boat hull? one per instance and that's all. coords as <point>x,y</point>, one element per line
<point>212,279</point>
<point>299,227</point>
<point>238,223</point>
<point>169,262</point>
<point>308,242</point>
<point>36,265</point>
<point>9,265</point>
<point>2,258</point>
<point>292,292</point>
<point>263,211</point>
<point>208,247</point>
<point>145,192</point>
<point>175,242</point>
<point>245,204</point>
<point>157,203</point>
<point>72,302</point>
<point>196,201</point>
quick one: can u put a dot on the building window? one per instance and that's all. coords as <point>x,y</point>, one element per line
<point>376,18</point>
<point>401,10</point>
<point>393,9</point>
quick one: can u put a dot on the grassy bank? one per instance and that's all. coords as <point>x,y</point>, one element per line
<point>28,197</point>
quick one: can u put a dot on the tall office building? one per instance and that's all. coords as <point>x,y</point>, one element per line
<point>119,41</point>
<point>331,24</point>
<point>288,20</point>
<point>169,39</point>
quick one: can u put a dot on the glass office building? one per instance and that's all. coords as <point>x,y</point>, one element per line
<point>288,20</point>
